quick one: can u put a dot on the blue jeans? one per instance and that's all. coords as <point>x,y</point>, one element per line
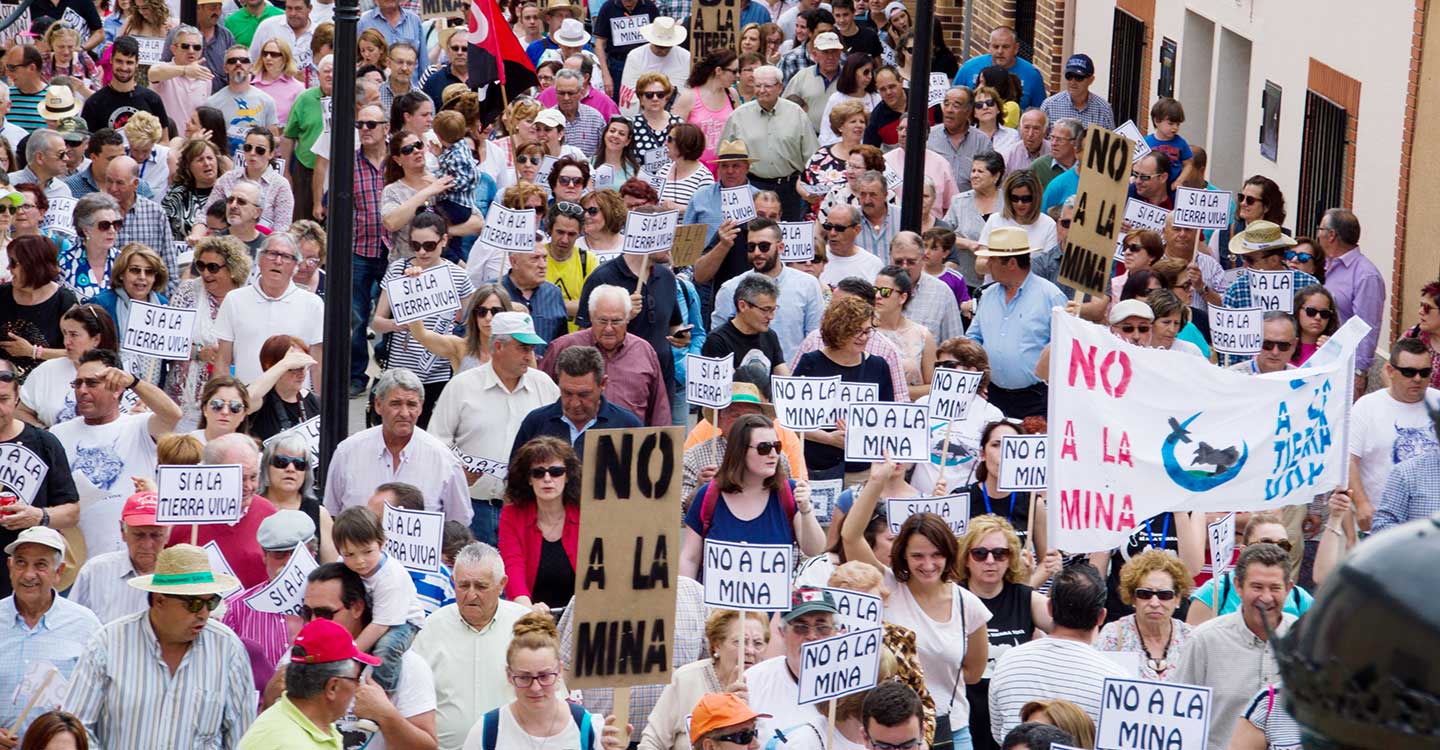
<point>962,739</point>
<point>390,648</point>
<point>679,409</point>
<point>485,524</point>
<point>364,289</point>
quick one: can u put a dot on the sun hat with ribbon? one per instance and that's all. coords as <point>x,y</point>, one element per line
<point>1260,236</point>
<point>184,570</point>
<point>58,104</point>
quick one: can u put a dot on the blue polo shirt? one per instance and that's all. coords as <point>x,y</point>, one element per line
<point>410,30</point>
<point>1063,186</point>
<point>550,421</point>
<point>1031,82</point>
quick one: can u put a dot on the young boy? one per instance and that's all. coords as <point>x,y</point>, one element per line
<point>1166,117</point>
<point>458,163</point>
<point>395,611</point>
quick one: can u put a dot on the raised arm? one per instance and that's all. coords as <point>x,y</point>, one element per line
<point>852,534</point>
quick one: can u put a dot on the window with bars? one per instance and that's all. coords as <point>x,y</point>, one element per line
<point>1127,55</point>
<point>1322,161</point>
<point>1025,28</point>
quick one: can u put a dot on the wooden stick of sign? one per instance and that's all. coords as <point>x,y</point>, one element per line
<point>830,727</point>
<point>15,728</point>
<point>644,274</point>
<point>195,534</point>
<point>1077,298</point>
<point>945,445</point>
<point>1030,525</point>
<point>621,711</point>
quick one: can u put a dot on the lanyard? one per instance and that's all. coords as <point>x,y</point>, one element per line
<point>1008,516</point>
<point>1164,532</point>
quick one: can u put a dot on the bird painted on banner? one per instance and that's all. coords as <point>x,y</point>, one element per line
<point>1227,465</point>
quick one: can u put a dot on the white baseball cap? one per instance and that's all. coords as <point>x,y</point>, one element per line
<point>516,325</point>
<point>38,535</point>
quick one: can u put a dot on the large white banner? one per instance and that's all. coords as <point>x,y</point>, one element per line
<point>1135,432</point>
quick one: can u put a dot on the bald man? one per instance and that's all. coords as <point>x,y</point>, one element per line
<point>145,220</point>
<point>1004,46</point>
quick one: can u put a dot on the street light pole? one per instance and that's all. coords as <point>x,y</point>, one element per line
<point>917,124</point>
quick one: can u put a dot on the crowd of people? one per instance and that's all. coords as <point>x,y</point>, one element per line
<point>188,167</point>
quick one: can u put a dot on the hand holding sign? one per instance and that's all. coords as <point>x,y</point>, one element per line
<point>709,380</point>
<point>1221,536</point>
<point>737,204</point>
<point>747,576</point>
<point>199,494</point>
<point>647,233</point>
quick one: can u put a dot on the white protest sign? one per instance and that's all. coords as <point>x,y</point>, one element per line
<point>1239,331</point>
<point>1142,215</point>
<point>1129,130</point>
<point>1138,714</point>
<point>509,230</point>
<point>939,84</point>
<point>1221,535</point>
<point>798,238</point>
<point>804,403</point>
<point>45,683</point>
<point>709,380</point>
<point>285,594</point>
<point>1273,290</point>
<point>857,611</point>
<point>878,429</point>
<point>198,494</point>
<point>310,431</point>
<point>747,576</point>
<point>219,565</point>
<point>1022,463</point>
<point>547,165</point>
<point>60,217</point>
<point>650,233</point>
<point>625,30</point>
<point>850,393</point>
<point>952,392</point>
<point>430,294</point>
<point>1202,209</point>
<point>893,179</point>
<point>151,48</point>
<point>736,204</point>
<point>657,160</point>
<point>824,493</point>
<point>158,331</point>
<point>955,509</point>
<point>412,537</point>
<point>838,666</point>
<point>478,465</point>
<point>21,474</point>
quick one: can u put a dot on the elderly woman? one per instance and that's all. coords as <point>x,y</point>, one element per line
<point>736,641</point>
<point>862,159</point>
<point>144,132</point>
<point>654,120</point>
<point>278,398</point>
<point>845,330</point>
<point>855,84</point>
<point>310,274</point>
<point>540,523</point>
<point>277,200</point>
<point>196,172</point>
<point>278,76</point>
<point>970,211</point>
<point>65,58</point>
<point>141,272</point>
<point>1155,583</point>
<point>221,265</point>
<point>86,267</point>
<point>287,480</point>
<point>1171,316</point>
<point>828,166</point>
<point>916,344</point>
<point>604,224</point>
<point>31,304</point>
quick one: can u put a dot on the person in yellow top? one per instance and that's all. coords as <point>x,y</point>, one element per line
<point>566,265</point>
<point>324,674</point>
<point>705,445</point>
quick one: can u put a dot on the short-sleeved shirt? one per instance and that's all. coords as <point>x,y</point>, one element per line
<point>57,487</point>
<point>872,369</point>
<point>727,339</point>
<point>1267,713</point>
<point>108,108</point>
<point>612,10</point>
<point>770,527</point>
<point>393,594</point>
<point>248,317</point>
<point>243,111</point>
<point>306,123</point>
<point>242,23</point>
<point>102,460</point>
<point>1178,149</point>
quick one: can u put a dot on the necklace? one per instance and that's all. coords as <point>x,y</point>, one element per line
<point>1160,665</point>
<point>547,730</point>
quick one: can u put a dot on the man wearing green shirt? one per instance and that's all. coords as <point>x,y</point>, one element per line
<point>780,139</point>
<point>321,681</point>
<point>242,23</point>
<point>306,123</point>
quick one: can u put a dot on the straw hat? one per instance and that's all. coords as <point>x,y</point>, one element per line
<point>562,6</point>
<point>58,104</point>
<point>184,570</point>
<point>1005,242</point>
<point>1260,236</point>
<point>663,32</point>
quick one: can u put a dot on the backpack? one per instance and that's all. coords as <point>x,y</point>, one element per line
<point>490,733</point>
<point>712,496</point>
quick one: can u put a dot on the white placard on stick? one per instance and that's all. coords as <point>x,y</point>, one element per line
<point>285,594</point>
<point>804,403</point>
<point>21,473</point>
<point>1238,331</point>
<point>310,431</point>
<point>413,537</point>
<point>650,233</point>
<point>1273,290</point>
<point>1129,130</point>
<point>799,241</point>
<point>1202,209</point>
<point>427,295</point>
<point>939,84</point>
<point>952,392</point>
<point>955,509</point>
<point>879,429</point>
<point>857,611</point>
<point>198,494</point>
<point>851,393</point>
<point>824,493</point>
<point>477,465</point>
<point>158,331</point>
<point>737,204</point>
<point>838,666</point>
<point>509,230</point>
<point>1142,215</point>
<point>1022,463</point>
<point>747,576</point>
<point>709,380</point>
<point>218,564</point>
<point>1138,713</point>
<point>1221,535</point>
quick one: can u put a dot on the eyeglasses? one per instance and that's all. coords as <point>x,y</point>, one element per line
<point>1064,223</point>
<point>742,737</point>
<point>218,404</point>
<point>411,148</point>
<point>1250,200</point>
<point>207,267</point>
<point>425,245</point>
<point>1141,177</point>
<point>1017,198</point>
<point>106,226</point>
<point>999,554</point>
<point>285,462</point>
<point>539,472</point>
<point>803,630</point>
<point>79,383</point>
<point>370,124</point>
<point>1415,372</point>
<point>1163,595</point>
<point>1426,308</point>
<point>308,613</point>
<point>191,47</point>
<point>570,181</point>
<point>237,61</point>
<point>251,148</point>
<point>535,160</point>
<point>546,679</point>
<point>141,271</point>
<point>485,312</point>
<point>193,604</point>
<point>906,745</point>
<point>1316,312</point>
<point>827,226</point>
<point>1301,257</point>
<point>764,448</point>
<point>655,94</point>
<point>1281,543</point>
<point>236,200</point>
<point>1271,345</point>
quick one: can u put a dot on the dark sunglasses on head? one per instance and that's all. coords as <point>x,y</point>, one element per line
<point>370,124</point>
<point>485,312</point>
<point>764,448</point>
<point>285,462</point>
<point>426,245</point>
<point>1316,312</point>
<point>194,604</point>
<point>539,472</point>
<point>1001,554</point>
<point>1415,372</point>
<point>1248,200</point>
<point>106,226</point>
<point>411,148</point>
<point>1015,198</point>
<point>251,148</point>
<point>208,267</point>
<point>218,404</point>
<point>1271,345</point>
<point>1163,595</point>
<point>191,47</point>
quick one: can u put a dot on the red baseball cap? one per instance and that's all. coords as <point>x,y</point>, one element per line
<point>717,711</point>
<point>139,509</point>
<point>324,641</point>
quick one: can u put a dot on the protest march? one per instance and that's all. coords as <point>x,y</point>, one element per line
<point>666,375</point>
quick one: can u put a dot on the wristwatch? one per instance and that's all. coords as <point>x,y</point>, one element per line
<point>44,517</point>
<point>134,382</point>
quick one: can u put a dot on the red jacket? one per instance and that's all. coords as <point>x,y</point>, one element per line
<point>520,543</point>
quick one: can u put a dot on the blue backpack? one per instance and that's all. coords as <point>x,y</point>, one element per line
<point>490,732</point>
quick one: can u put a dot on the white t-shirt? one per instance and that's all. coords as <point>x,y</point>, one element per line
<point>510,735</point>
<point>1041,234</point>
<point>414,695</point>
<point>1181,345</point>
<point>1384,432</point>
<point>863,264</point>
<point>248,317</point>
<point>941,645</point>
<point>958,461</point>
<point>102,460</point>
<point>775,692</point>
<point>392,595</point>
<point>48,393</point>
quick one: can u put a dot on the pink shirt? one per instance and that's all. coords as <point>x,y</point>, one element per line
<point>595,98</point>
<point>269,632</point>
<point>939,172</point>
<point>181,97</point>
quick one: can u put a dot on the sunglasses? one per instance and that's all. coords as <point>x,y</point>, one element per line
<point>207,267</point>
<point>1281,543</point>
<point>827,226</point>
<point>534,160</point>
<point>742,737</point>
<point>1272,345</point>
<point>10,209</point>
<point>761,246</point>
<point>1163,595</point>
<point>267,54</point>
<point>191,47</point>
<point>1133,248</point>
<point>238,201</point>
<point>884,292</point>
<point>1316,312</point>
<point>194,604</point>
<point>237,61</point>
<point>87,383</point>
<point>1414,372</point>
<point>1133,328</point>
<point>485,312</point>
<point>566,208</point>
<point>593,210</point>
<point>425,245</point>
<point>803,630</point>
<point>1248,200</point>
<point>251,148</point>
<point>8,376</point>
<point>217,404</point>
<point>949,364</point>
<point>1074,77</point>
<point>106,226</point>
<point>539,472</point>
<point>1140,177</point>
<point>286,462</point>
<point>1301,257</point>
<point>1064,223</point>
<point>570,181</point>
<point>411,148</point>
<point>654,94</point>
<point>1426,308</point>
<point>984,104</point>
<point>764,448</point>
<point>308,613</point>
<point>1000,554</point>
<point>141,271</point>
<point>370,124</point>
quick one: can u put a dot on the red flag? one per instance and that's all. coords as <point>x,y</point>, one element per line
<point>489,31</point>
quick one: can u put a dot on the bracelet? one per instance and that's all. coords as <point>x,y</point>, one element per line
<point>39,350</point>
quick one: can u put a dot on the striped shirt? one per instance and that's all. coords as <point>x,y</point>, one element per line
<point>1047,668</point>
<point>1097,111</point>
<point>101,586</point>
<point>24,109</point>
<point>59,637</point>
<point>1224,655</point>
<point>1411,492</point>
<point>124,693</point>
<point>1267,713</point>
<point>404,350</point>
<point>264,629</point>
<point>435,590</point>
<point>584,130</point>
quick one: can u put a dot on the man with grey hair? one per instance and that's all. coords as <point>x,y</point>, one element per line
<point>321,681</point>
<point>582,405</point>
<point>956,140</point>
<point>780,138</point>
<point>464,643</point>
<point>242,214</point>
<point>747,335</point>
<point>398,450</point>
<point>931,304</point>
<point>801,300</point>
<point>480,411</point>
<point>183,82</point>
<point>846,258</point>
<point>45,164</point>
<point>639,384</point>
<point>583,123</point>
<point>237,542</point>
<point>271,305</point>
<point>145,221</point>
<point>879,219</point>
<point>403,58</point>
<point>1064,139</point>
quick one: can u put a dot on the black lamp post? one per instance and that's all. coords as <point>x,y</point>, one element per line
<point>917,124</point>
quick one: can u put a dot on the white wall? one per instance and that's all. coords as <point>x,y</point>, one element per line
<point>1367,41</point>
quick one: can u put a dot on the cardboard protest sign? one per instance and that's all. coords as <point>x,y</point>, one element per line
<point>478,465</point>
<point>430,294</point>
<point>650,233</point>
<point>218,564</point>
<point>857,611</point>
<point>804,403</point>
<point>285,594</point>
<point>158,331</point>
<point>689,245</point>
<point>952,392</point>
<point>1202,209</point>
<point>21,474</point>
<point>1022,463</point>
<point>714,24</point>
<point>412,537</point>
<point>939,84</point>
<point>198,494</point>
<point>878,429</point>
<point>709,380</point>
<point>1201,439</point>
<point>747,576</point>
<point>60,217</point>
<point>1273,290</point>
<point>443,8</point>
<point>1129,130</point>
<point>955,509</point>
<point>1104,183</point>
<point>824,493</point>
<point>624,577</point>
<point>840,665</point>
<point>1138,714</point>
<point>509,230</point>
<point>736,204</point>
<point>1240,332</point>
<point>1221,536</point>
<point>849,393</point>
<point>798,238</point>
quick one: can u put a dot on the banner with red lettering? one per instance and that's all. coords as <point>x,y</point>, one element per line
<point>1135,432</point>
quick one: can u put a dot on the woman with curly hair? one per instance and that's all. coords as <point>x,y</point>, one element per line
<point>540,523</point>
<point>65,58</point>
<point>845,331</point>
<point>1155,582</point>
<point>144,132</point>
<point>221,265</point>
<point>196,172</point>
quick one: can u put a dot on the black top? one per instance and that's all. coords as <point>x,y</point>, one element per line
<point>865,39</point>
<point>1011,624</point>
<point>108,108</point>
<point>1011,506</point>
<point>58,487</point>
<point>80,15</point>
<point>727,339</point>
<point>872,369</point>
<point>1160,532</point>
<point>277,415</point>
<point>38,324</point>
<point>659,309</point>
<point>555,578</point>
